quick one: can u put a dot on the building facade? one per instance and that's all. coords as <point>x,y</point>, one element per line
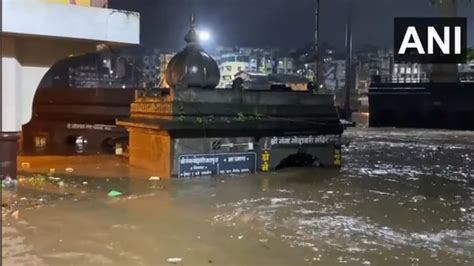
<point>33,41</point>
<point>231,64</point>
<point>267,61</point>
<point>466,71</point>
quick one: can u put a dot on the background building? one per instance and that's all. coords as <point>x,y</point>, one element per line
<point>466,71</point>
<point>231,64</point>
<point>262,60</point>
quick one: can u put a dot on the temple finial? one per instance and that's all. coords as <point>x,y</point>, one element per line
<point>193,19</point>
<point>192,37</point>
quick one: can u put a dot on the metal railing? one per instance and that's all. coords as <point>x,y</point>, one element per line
<point>399,79</point>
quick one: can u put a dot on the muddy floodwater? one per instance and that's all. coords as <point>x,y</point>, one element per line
<point>403,197</point>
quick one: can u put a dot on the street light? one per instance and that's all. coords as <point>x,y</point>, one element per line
<point>204,35</point>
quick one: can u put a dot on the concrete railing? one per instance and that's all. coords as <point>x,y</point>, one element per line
<point>51,19</point>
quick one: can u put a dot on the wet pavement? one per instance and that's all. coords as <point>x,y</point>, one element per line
<point>403,197</point>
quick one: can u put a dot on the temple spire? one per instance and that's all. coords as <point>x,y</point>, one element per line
<point>193,20</point>
<point>191,37</point>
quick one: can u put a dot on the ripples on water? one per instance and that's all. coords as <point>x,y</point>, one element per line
<point>403,197</point>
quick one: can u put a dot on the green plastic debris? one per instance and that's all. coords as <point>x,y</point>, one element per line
<point>114,193</point>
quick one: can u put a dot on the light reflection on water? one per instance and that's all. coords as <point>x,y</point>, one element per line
<point>402,198</point>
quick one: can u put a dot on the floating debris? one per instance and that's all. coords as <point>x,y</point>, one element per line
<point>69,170</point>
<point>36,180</point>
<point>417,198</point>
<point>15,214</point>
<point>175,260</point>
<point>54,178</point>
<point>155,178</point>
<point>8,182</point>
<point>25,165</point>
<point>114,193</point>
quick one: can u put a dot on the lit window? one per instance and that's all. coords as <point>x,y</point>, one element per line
<point>40,142</point>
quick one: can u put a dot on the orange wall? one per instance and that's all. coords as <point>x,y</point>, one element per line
<point>77,2</point>
<point>99,3</point>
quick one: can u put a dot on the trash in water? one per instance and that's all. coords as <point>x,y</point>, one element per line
<point>25,165</point>
<point>8,182</point>
<point>54,178</point>
<point>85,183</point>
<point>114,193</point>
<point>52,170</point>
<point>15,214</point>
<point>69,170</point>
<point>154,178</point>
<point>417,198</point>
<point>36,180</point>
<point>61,184</point>
<point>174,260</point>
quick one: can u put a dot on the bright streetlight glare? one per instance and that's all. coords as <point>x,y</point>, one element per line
<point>204,35</point>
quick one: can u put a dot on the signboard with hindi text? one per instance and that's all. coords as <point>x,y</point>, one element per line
<point>288,141</point>
<point>217,164</point>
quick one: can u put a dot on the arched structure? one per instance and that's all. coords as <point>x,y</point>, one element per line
<point>35,35</point>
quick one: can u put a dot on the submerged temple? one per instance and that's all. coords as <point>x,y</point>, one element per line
<point>193,129</point>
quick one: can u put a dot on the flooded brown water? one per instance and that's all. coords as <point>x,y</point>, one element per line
<point>403,197</point>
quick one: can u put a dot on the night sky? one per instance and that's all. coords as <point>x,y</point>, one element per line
<point>277,23</point>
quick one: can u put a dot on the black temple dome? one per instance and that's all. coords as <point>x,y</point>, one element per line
<point>192,67</point>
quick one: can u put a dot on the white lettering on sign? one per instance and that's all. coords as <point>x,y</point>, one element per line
<point>98,127</point>
<point>412,40</point>
<point>306,140</point>
<point>237,159</point>
<point>214,164</point>
<point>199,160</point>
<point>406,44</point>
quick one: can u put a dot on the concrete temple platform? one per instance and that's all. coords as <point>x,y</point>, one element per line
<point>197,132</point>
<point>194,129</point>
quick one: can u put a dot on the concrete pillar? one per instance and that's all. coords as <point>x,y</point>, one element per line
<point>10,125</point>
<point>25,61</point>
<point>151,150</point>
<point>8,154</point>
<point>20,79</point>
